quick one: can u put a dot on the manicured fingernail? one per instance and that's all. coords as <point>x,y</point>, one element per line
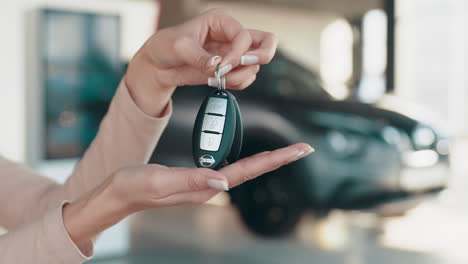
<point>212,82</point>
<point>214,61</point>
<point>225,69</point>
<point>301,154</point>
<point>297,156</point>
<point>218,184</point>
<point>311,149</point>
<point>249,60</point>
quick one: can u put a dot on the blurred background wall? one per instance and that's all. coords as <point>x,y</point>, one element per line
<point>431,58</point>
<point>19,50</point>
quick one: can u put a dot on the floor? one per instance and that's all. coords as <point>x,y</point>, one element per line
<point>435,232</point>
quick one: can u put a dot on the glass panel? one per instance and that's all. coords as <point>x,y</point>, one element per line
<point>81,70</point>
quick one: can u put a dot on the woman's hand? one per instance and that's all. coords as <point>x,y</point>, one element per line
<point>183,55</point>
<point>152,186</point>
<point>188,54</point>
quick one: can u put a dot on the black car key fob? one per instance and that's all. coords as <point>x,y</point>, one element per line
<point>217,133</point>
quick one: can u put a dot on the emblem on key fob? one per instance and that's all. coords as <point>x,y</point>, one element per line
<point>206,160</point>
<point>217,133</point>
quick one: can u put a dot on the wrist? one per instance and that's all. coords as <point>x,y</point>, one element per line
<point>146,86</point>
<point>88,216</point>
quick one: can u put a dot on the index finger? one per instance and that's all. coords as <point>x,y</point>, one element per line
<point>254,166</point>
<point>224,28</point>
<point>263,48</point>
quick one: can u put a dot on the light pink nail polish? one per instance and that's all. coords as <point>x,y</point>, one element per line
<point>249,60</point>
<point>301,154</point>
<point>225,69</point>
<point>218,184</point>
<point>212,82</point>
<point>214,61</point>
<point>297,156</point>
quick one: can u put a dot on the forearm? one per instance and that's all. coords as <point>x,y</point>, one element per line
<point>24,195</point>
<point>126,137</point>
<point>43,241</point>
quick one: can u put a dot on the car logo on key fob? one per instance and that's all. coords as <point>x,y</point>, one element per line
<point>217,133</point>
<point>206,160</point>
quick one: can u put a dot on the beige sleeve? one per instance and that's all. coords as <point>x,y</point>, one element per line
<point>42,241</point>
<point>126,137</point>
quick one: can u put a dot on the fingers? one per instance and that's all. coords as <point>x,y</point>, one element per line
<point>187,198</point>
<point>246,83</point>
<point>224,28</point>
<point>176,186</point>
<point>193,54</point>
<point>240,44</point>
<point>169,181</point>
<point>264,44</point>
<point>198,179</point>
<point>254,166</point>
<point>238,79</point>
<point>218,35</point>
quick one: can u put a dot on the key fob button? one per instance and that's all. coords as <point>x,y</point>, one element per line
<point>210,142</point>
<point>217,132</point>
<point>216,106</point>
<point>213,123</point>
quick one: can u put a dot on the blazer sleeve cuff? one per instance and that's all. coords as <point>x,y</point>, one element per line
<point>62,246</point>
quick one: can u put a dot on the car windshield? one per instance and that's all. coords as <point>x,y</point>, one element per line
<point>287,78</point>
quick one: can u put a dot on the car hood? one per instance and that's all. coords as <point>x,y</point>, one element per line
<point>371,112</point>
<point>414,111</point>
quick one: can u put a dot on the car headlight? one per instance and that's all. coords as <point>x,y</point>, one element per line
<point>391,135</point>
<point>344,145</point>
<point>421,158</point>
<point>423,136</point>
<point>443,146</point>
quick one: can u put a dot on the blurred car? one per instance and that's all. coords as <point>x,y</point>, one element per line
<point>366,155</point>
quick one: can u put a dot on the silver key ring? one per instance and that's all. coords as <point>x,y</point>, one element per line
<point>220,81</point>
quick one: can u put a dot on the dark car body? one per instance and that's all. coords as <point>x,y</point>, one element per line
<point>362,150</point>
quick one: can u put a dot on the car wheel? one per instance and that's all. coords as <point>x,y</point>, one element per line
<point>270,205</point>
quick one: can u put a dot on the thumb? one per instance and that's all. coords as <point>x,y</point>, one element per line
<point>198,179</point>
<point>186,180</point>
<point>193,54</point>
